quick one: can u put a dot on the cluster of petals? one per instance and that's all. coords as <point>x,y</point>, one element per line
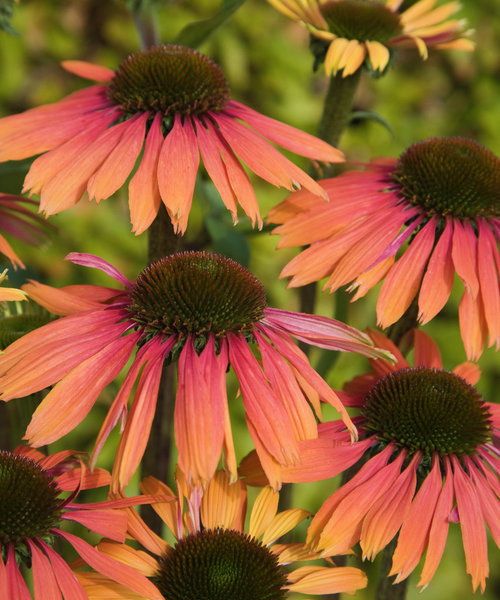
<point>88,143</point>
<point>52,576</point>
<point>383,498</point>
<point>86,350</point>
<point>355,239</point>
<point>422,24</point>
<point>221,506</point>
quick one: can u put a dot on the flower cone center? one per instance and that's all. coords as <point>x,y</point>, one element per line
<point>220,564</point>
<point>362,20</point>
<point>450,176</point>
<point>429,410</point>
<point>29,500</point>
<point>197,293</point>
<point>169,79</point>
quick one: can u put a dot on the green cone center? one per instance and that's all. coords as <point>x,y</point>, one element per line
<point>362,20</point>
<point>197,293</point>
<point>169,79</point>
<point>220,564</point>
<point>29,500</point>
<point>450,176</point>
<point>429,410</point>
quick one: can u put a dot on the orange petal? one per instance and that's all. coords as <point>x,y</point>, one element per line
<point>464,252</point>
<point>88,70</point>
<point>472,325</point>
<point>326,580</point>
<point>221,502</point>
<point>264,510</point>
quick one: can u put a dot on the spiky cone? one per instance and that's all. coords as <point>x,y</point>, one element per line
<point>202,310</point>
<point>215,555</point>
<point>32,511</point>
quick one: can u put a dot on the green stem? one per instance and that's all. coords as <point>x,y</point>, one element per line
<point>386,589</point>
<point>336,110</point>
<point>157,459</point>
<point>144,15</point>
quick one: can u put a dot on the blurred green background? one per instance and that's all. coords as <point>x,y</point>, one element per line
<point>268,65</point>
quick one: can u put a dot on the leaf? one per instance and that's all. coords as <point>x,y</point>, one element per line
<point>367,115</point>
<point>194,34</point>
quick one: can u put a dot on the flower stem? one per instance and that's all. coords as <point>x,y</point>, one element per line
<point>336,110</point>
<point>386,589</point>
<point>144,15</point>
<point>162,241</point>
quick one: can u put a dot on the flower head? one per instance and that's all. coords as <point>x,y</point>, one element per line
<point>215,556</point>
<point>203,311</point>
<point>441,196</point>
<point>173,104</point>
<point>428,456</point>
<point>351,33</point>
<point>32,510</point>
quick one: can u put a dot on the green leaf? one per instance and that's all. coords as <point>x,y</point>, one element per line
<point>6,12</point>
<point>367,115</point>
<point>194,34</point>
<point>227,240</point>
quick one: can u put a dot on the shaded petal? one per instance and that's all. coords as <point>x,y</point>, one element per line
<point>438,279</point>
<point>426,351</point>
<point>263,512</point>
<point>487,252</point>
<point>177,168</point>
<point>289,137</point>
<point>379,55</point>
<point>71,399</point>
<point>17,588</point>
<point>326,580</point>
<point>199,410</point>
<point>222,502</point>
<point>120,162</point>
<point>66,579</point>
<point>403,280</point>
<point>44,581</point>
<point>464,254</point>
<point>473,327</point>
<point>144,193</point>
<point>112,568</point>
<point>88,70</point>
<point>472,526</point>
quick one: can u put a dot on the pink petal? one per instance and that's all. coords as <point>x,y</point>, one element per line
<point>95,262</point>
<point>199,410</point>
<point>111,568</point>
<point>68,584</point>
<point>88,70</point>
<point>438,279</point>
<point>44,580</point>
<point>17,588</point>
<point>426,351</point>
<point>144,194</point>
<point>464,251</point>
<point>177,169</point>
<point>472,325</point>
<point>487,252</point>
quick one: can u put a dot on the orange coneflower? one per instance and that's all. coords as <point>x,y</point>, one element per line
<point>32,510</point>
<point>429,455</point>
<point>216,556</point>
<point>363,32</point>
<point>174,102</point>
<point>204,310</point>
<point>441,196</point>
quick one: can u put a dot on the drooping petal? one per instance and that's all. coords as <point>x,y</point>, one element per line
<point>96,262</point>
<point>264,509</point>
<point>403,280</point>
<point>177,168</point>
<point>112,568</point>
<point>143,190</point>
<point>221,502</point>
<point>66,579</point>
<point>472,325</point>
<point>118,165</point>
<point>16,586</point>
<point>72,398</point>
<point>438,279</point>
<point>464,254</point>
<point>489,280</point>
<point>44,581</point>
<point>199,410</point>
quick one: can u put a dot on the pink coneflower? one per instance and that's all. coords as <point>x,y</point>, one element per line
<point>437,205</point>
<point>18,221</point>
<point>32,511</point>
<point>174,102</point>
<point>205,311</point>
<point>429,455</point>
<point>216,556</point>
<point>363,32</point>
